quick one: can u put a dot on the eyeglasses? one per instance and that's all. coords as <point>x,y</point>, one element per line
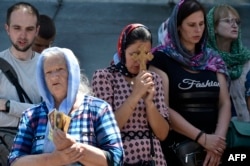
<point>231,21</point>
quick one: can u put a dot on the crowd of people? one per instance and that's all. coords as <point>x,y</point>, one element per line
<point>169,104</point>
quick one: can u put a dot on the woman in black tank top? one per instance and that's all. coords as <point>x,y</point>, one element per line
<point>195,80</point>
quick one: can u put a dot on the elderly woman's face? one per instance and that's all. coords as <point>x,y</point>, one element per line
<point>228,27</point>
<point>56,76</point>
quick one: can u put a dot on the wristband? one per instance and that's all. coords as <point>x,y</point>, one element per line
<point>198,136</point>
<point>7,106</point>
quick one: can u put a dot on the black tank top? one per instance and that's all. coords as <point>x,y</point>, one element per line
<point>193,95</point>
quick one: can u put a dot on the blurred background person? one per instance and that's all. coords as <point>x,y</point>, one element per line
<point>46,34</point>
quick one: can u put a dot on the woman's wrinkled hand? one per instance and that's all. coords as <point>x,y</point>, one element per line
<point>62,140</point>
<point>70,155</point>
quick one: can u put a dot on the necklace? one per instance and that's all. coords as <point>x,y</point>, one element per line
<point>130,80</point>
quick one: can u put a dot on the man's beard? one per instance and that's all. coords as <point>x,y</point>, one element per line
<point>21,49</point>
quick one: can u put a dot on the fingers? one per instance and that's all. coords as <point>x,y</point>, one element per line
<point>59,133</point>
<point>206,160</point>
<point>144,75</point>
<point>222,138</point>
<point>143,82</point>
<point>145,79</point>
<point>76,151</point>
<point>71,155</point>
<point>215,143</point>
<point>220,146</point>
<point>62,140</point>
<point>147,82</point>
<point>219,151</point>
<point>143,85</point>
<point>211,159</point>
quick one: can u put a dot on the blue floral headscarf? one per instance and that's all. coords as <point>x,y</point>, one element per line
<point>73,85</point>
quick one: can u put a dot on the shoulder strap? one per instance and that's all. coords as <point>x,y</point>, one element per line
<point>10,73</point>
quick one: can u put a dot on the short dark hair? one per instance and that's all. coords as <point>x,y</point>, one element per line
<point>47,27</point>
<point>19,5</point>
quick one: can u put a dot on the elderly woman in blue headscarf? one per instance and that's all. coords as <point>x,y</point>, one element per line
<point>92,136</point>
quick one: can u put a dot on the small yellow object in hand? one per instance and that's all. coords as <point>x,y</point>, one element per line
<point>143,57</point>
